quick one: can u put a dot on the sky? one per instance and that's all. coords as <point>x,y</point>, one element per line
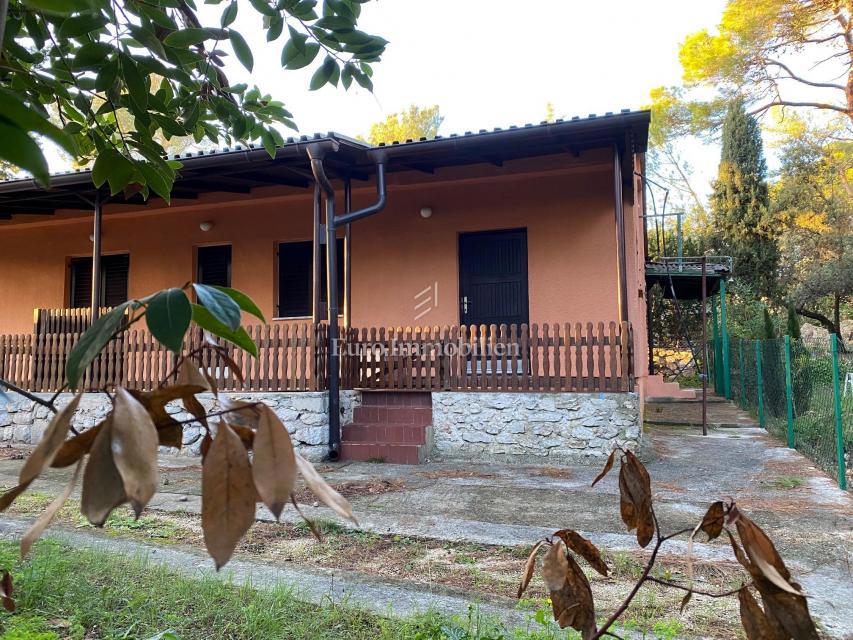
<point>492,63</point>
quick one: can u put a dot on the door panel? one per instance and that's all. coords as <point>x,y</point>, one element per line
<point>493,277</point>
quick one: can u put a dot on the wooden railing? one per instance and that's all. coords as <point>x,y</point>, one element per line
<point>293,357</point>
<point>553,357</point>
<point>290,358</point>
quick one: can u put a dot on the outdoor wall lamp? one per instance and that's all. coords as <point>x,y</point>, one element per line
<point>206,226</point>
<point>426,212</point>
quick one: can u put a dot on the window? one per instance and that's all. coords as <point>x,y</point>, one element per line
<point>114,272</point>
<point>214,265</point>
<point>294,278</point>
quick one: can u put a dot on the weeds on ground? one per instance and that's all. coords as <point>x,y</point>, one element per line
<point>788,482</point>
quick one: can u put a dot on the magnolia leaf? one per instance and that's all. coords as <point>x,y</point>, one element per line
<point>103,489</point>
<point>134,446</point>
<point>555,566</point>
<point>607,467</point>
<point>685,600</point>
<point>243,301</point>
<point>274,462</point>
<point>323,491</point>
<point>227,495</point>
<point>50,443</point>
<point>529,566</point>
<point>168,317</point>
<point>9,497</point>
<point>712,523</point>
<point>189,375</point>
<point>240,413</point>
<point>584,548</point>
<point>761,551</point>
<point>755,622</point>
<point>315,530</point>
<point>636,498</point>
<point>221,306</point>
<point>241,49</point>
<point>92,342</point>
<point>205,319</point>
<point>571,596</point>
<point>6,591</point>
<point>42,522</point>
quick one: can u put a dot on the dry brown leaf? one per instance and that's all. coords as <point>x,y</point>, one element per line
<point>228,495</point>
<point>171,436</point>
<point>134,444</point>
<point>761,551</point>
<point>529,566</point>
<point>7,589</point>
<point>584,548</point>
<point>755,622</point>
<point>607,467</point>
<point>712,523</point>
<point>245,414</point>
<point>206,441</point>
<point>103,489</point>
<point>636,498</point>
<point>50,443</point>
<point>247,435</point>
<point>274,462</point>
<point>189,375</point>
<point>571,596</point>
<point>685,600</point>
<point>323,491</point>
<point>786,610</point>
<point>312,526</point>
<point>42,522</point>
<point>75,448</point>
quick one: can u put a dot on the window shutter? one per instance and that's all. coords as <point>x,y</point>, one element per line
<point>295,278</point>
<point>114,277</point>
<point>214,265</point>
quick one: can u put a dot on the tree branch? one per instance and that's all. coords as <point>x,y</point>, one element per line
<point>28,395</point>
<point>813,105</point>
<point>814,315</point>
<point>794,76</point>
<point>710,594</point>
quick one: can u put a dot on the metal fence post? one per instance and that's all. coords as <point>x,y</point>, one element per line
<point>742,371</point>
<point>759,384</point>
<point>789,391</point>
<point>718,360</point>
<point>724,330</point>
<point>839,434</point>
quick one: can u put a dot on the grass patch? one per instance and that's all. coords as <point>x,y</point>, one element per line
<point>82,594</point>
<point>788,482</point>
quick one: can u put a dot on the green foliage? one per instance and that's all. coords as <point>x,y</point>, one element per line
<point>740,202</point>
<point>412,124</point>
<point>100,65</point>
<point>769,327</point>
<point>793,323</point>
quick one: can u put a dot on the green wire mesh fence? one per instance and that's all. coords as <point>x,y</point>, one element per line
<point>801,391</point>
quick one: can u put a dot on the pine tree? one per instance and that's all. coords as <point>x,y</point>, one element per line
<point>740,203</point>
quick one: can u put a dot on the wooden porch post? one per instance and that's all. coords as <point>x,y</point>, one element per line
<point>96,258</point>
<point>620,234</point>
<point>347,256</point>
<point>316,312</point>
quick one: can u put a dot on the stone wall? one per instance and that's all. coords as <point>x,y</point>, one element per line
<point>304,413</point>
<point>533,426</point>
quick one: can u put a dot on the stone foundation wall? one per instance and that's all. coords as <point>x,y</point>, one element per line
<point>304,413</point>
<point>534,426</point>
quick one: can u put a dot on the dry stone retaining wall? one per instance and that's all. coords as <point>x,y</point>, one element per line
<point>304,413</point>
<point>534,426</point>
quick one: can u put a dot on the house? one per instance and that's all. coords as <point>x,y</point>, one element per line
<point>490,286</point>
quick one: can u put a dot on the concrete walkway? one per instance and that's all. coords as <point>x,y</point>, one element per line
<point>812,523</point>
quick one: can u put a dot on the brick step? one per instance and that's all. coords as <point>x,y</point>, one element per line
<point>417,416</point>
<point>391,453</point>
<point>384,433</point>
<point>396,399</point>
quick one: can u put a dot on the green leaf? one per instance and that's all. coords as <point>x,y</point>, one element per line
<point>241,49</point>
<point>91,55</point>
<point>220,305</point>
<point>22,151</point>
<point>92,341</point>
<point>268,141</point>
<point>292,57</point>
<point>203,318</point>
<point>229,14</point>
<point>168,316</point>
<point>81,25</point>
<point>135,82</point>
<point>263,7</point>
<point>101,168</point>
<point>186,37</point>
<point>60,7</point>
<point>323,74</point>
<point>31,120</point>
<point>334,23</point>
<point>158,183</point>
<point>243,301</point>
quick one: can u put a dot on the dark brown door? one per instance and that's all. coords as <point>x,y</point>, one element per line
<point>493,277</point>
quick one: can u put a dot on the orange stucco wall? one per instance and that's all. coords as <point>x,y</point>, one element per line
<point>565,203</point>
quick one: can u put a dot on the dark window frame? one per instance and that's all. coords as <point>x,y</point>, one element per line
<point>302,262</point>
<point>115,274</point>
<point>212,248</point>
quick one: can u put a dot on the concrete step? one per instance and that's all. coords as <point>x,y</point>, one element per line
<point>417,416</point>
<point>385,433</point>
<point>656,389</point>
<point>392,453</point>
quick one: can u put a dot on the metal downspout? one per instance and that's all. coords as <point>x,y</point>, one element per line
<point>96,258</point>
<point>316,153</point>
<point>620,234</point>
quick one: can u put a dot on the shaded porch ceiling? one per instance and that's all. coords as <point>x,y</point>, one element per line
<point>687,281</point>
<point>240,170</point>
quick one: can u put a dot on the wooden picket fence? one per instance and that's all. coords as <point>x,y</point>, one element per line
<point>290,358</point>
<point>553,357</point>
<point>293,357</point>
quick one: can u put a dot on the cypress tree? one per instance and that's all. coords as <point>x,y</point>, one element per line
<point>793,323</point>
<point>769,327</point>
<point>740,203</point>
